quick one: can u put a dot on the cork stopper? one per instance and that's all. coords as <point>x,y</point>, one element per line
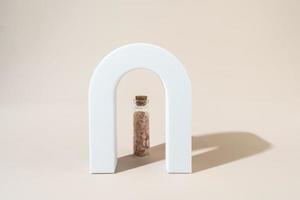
<point>140,100</point>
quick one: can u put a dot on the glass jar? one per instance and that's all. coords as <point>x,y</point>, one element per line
<point>141,138</point>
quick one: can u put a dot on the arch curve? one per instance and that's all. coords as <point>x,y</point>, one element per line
<point>102,105</point>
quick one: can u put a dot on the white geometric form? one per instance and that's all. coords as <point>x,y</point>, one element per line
<point>102,105</point>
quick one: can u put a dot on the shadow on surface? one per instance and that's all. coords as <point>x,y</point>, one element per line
<point>222,148</point>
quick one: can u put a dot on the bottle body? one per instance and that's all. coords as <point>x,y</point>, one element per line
<point>141,136</point>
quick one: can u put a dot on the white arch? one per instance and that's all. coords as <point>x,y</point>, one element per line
<point>102,105</point>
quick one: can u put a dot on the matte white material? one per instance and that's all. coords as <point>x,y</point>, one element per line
<point>102,105</point>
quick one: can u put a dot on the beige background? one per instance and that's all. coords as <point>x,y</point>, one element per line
<point>243,58</point>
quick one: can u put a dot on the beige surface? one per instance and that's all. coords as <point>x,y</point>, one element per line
<point>243,58</point>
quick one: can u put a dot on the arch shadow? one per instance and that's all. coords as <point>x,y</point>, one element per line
<point>223,148</point>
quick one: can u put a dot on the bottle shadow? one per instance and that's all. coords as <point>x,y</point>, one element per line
<point>215,149</point>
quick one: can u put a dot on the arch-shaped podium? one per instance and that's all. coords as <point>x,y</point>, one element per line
<point>102,105</point>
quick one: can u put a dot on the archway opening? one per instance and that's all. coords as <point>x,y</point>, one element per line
<point>139,82</point>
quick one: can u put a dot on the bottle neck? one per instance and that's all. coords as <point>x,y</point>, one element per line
<point>140,105</point>
<point>141,108</point>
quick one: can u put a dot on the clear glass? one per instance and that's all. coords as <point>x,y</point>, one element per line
<point>141,136</point>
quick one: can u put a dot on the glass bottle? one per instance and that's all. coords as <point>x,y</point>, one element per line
<point>141,137</point>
